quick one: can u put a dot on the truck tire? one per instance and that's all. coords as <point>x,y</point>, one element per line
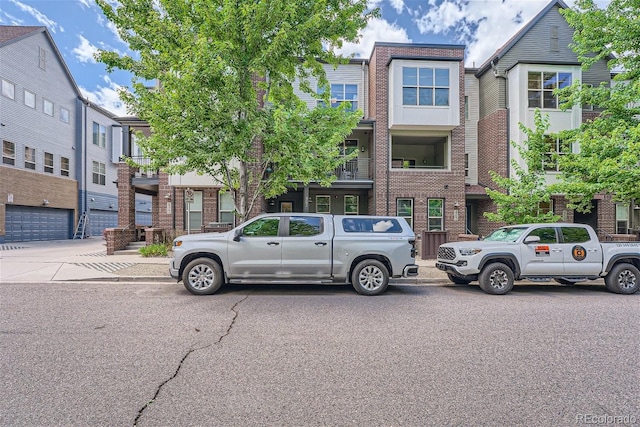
<point>202,276</point>
<point>623,279</point>
<point>370,277</point>
<point>458,280</point>
<point>496,279</point>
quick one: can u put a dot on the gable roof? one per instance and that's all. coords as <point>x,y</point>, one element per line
<point>10,34</point>
<point>516,38</point>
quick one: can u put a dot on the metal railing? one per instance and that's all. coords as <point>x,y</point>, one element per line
<point>145,170</point>
<point>353,169</point>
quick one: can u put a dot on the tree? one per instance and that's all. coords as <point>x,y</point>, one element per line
<point>519,202</point>
<point>225,104</point>
<point>608,159</point>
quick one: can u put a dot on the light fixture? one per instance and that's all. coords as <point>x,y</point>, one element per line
<point>45,202</point>
<point>456,205</point>
<point>362,148</point>
<point>93,200</point>
<point>167,196</point>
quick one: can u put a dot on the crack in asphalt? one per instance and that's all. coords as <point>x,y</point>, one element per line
<point>175,374</point>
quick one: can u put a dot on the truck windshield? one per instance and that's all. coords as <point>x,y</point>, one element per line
<point>506,234</point>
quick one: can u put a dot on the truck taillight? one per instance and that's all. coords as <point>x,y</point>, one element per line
<point>413,248</point>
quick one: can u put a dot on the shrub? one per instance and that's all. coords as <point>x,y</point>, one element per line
<point>155,250</point>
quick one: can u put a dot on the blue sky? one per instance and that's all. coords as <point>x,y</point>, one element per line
<point>78,28</point>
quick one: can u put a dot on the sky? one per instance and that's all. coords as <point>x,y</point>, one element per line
<point>79,28</point>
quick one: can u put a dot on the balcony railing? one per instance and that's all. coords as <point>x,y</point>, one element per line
<point>354,169</point>
<point>145,170</point>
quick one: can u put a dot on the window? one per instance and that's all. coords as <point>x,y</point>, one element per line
<point>305,226</point>
<point>351,205</point>
<point>323,204</point>
<point>546,234</point>
<point>435,217</point>
<point>575,235</point>
<point>48,162</point>
<point>553,36</point>
<point>419,152</point>
<point>99,135</point>
<point>466,164</point>
<point>29,99</point>
<point>545,207</point>
<point>404,208</point>
<point>541,86</point>
<point>99,173</point>
<point>64,166</point>
<point>42,59</point>
<point>555,148</point>
<point>193,211</point>
<point>466,108</point>
<point>226,211</point>
<point>8,153</point>
<point>8,89</point>
<point>425,86</point>
<point>64,115</point>
<point>30,158</point>
<point>264,227</point>
<point>622,219</point>
<point>371,225</point>
<point>342,93</point>
<point>47,107</point>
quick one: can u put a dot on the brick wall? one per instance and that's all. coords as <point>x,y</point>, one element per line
<point>493,147</point>
<point>126,196</point>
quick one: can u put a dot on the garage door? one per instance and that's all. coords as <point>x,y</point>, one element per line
<point>99,220</point>
<point>26,223</point>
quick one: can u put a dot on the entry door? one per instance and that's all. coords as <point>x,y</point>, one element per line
<point>258,253</point>
<point>543,258</point>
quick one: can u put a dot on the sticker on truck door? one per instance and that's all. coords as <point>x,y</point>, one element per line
<point>542,250</point>
<point>579,253</point>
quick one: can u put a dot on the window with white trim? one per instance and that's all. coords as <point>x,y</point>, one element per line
<point>404,208</point>
<point>42,58</point>
<point>351,204</point>
<point>65,115</point>
<point>47,107</point>
<point>541,85</point>
<point>340,93</point>
<point>48,162</point>
<point>323,204</point>
<point>435,214</point>
<point>8,89</point>
<point>99,173</point>
<point>64,166</point>
<point>30,158</point>
<point>545,207</point>
<point>622,219</point>
<point>99,135</point>
<point>8,153</point>
<point>425,86</point>
<point>193,212</point>
<point>555,147</point>
<point>226,211</point>
<point>29,99</point>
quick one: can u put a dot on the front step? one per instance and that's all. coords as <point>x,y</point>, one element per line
<point>133,248</point>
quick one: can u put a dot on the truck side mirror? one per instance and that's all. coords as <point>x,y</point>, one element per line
<point>237,234</point>
<point>531,239</point>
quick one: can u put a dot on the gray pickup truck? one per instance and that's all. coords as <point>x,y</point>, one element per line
<point>566,253</point>
<point>298,248</point>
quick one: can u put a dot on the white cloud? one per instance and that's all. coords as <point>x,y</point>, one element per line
<point>398,5</point>
<point>84,3</point>
<point>377,30</point>
<point>39,16</point>
<point>85,51</point>
<point>107,97</point>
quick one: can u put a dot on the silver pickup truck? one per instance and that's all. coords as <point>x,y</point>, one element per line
<point>298,248</point>
<point>566,253</point>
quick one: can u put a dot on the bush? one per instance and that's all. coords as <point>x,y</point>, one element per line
<point>157,250</point>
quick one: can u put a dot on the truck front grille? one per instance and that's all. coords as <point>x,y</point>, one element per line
<point>447,253</point>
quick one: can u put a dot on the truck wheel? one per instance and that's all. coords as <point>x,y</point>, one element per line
<point>496,279</point>
<point>370,277</point>
<point>623,279</point>
<point>458,280</point>
<point>202,276</point>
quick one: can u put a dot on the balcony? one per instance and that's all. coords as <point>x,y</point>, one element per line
<point>145,170</point>
<point>356,169</point>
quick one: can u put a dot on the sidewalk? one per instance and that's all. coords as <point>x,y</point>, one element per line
<point>87,260</point>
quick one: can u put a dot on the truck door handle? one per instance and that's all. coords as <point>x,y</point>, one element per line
<point>321,243</point>
<point>273,243</point>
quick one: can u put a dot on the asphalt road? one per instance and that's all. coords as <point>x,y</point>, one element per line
<point>114,354</point>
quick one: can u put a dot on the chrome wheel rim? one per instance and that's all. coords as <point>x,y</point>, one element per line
<point>201,277</point>
<point>371,278</point>
<point>498,279</point>
<point>626,279</point>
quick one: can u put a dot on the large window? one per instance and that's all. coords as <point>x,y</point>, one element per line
<point>64,115</point>
<point>226,211</point>
<point>8,153</point>
<point>64,166</point>
<point>48,162</point>
<point>541,86</point>
<point>99,173</point>
<point>435,214</point>
<point>305,226</point>
<point>404,208</point>
<point>351,205</point>
<point>323,204</point>
<point>8,89</point>
<point>47,107</point>
<point>193,211</point>
<point>29,99</point>
<point>425,86</point>
<point>419,152</point>
<point>99,135</point>
<point>555,147</point>
<point>342,93</point>
<point>262,227</point>
<point>622,219</point>
<point>30,158</point>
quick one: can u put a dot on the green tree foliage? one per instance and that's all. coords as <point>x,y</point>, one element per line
<point>225,105</point>
<point>608,160</point>
<point>521,195</point>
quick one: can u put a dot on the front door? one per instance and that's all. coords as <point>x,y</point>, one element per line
<point>543,258</point>
<point>257,253</point>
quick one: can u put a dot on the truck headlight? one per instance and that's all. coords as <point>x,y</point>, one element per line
<point>469,251</point>
<point>177,243</point>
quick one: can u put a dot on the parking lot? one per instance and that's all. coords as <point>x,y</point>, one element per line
<point>151,354</point>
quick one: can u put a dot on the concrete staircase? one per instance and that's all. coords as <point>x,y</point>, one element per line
<point>131,249</point>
